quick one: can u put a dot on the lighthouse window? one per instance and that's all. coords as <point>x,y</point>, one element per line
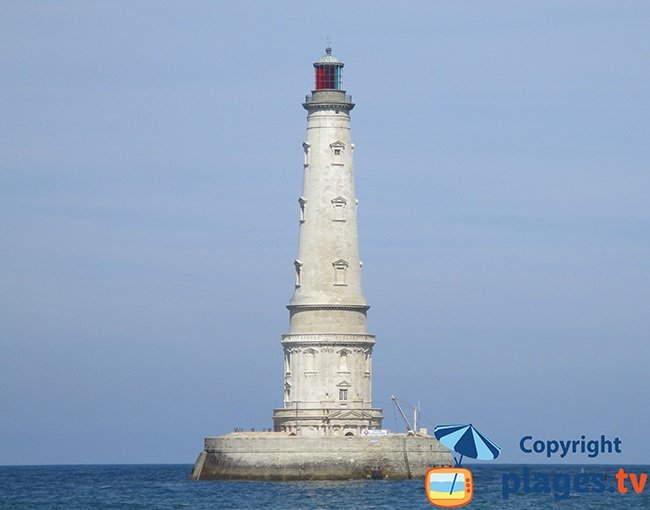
<point>310,361</point>
<point>343,394</point>
<point>368,360</point>
<point>343,361</point>
<point>340,267</point>
<point>328,77</point>
<point>337,153</point>
<point>298,265</point>
<point>302,202</point>
<point>339,204</point>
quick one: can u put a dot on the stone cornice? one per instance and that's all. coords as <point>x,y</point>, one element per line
<point>328,100</point>
<point>330,105</point>
<point>325,339</point>
<point>330,306</point>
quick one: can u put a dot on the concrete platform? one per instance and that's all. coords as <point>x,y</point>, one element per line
<point>280,456</point>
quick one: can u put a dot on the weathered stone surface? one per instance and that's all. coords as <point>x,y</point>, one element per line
<point>278,456</point>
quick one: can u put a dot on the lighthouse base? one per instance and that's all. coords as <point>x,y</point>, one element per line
<point>279,456</point>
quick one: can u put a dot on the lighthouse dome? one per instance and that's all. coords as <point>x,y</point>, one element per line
<point>328,58</point>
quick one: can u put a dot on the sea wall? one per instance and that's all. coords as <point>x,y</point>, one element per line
<point>278,456</point>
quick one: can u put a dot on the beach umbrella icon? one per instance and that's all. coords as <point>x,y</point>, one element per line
<point>467,441</point>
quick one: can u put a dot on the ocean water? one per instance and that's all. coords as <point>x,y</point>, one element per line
<point>167,487</point>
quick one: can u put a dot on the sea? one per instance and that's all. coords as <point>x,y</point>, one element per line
<point>495,486</point>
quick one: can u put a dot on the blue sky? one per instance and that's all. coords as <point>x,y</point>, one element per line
<point>150,164</point>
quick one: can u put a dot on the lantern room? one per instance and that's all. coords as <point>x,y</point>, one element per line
<point>328,71</point>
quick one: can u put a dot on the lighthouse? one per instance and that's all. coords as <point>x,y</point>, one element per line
<point>328,351</point>
<point>327,427</point>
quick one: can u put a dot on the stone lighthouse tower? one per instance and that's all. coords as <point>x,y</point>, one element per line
<point>325,429</point>
<point>328,351</point>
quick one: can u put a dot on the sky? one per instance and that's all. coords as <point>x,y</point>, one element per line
<point>150,166</point>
